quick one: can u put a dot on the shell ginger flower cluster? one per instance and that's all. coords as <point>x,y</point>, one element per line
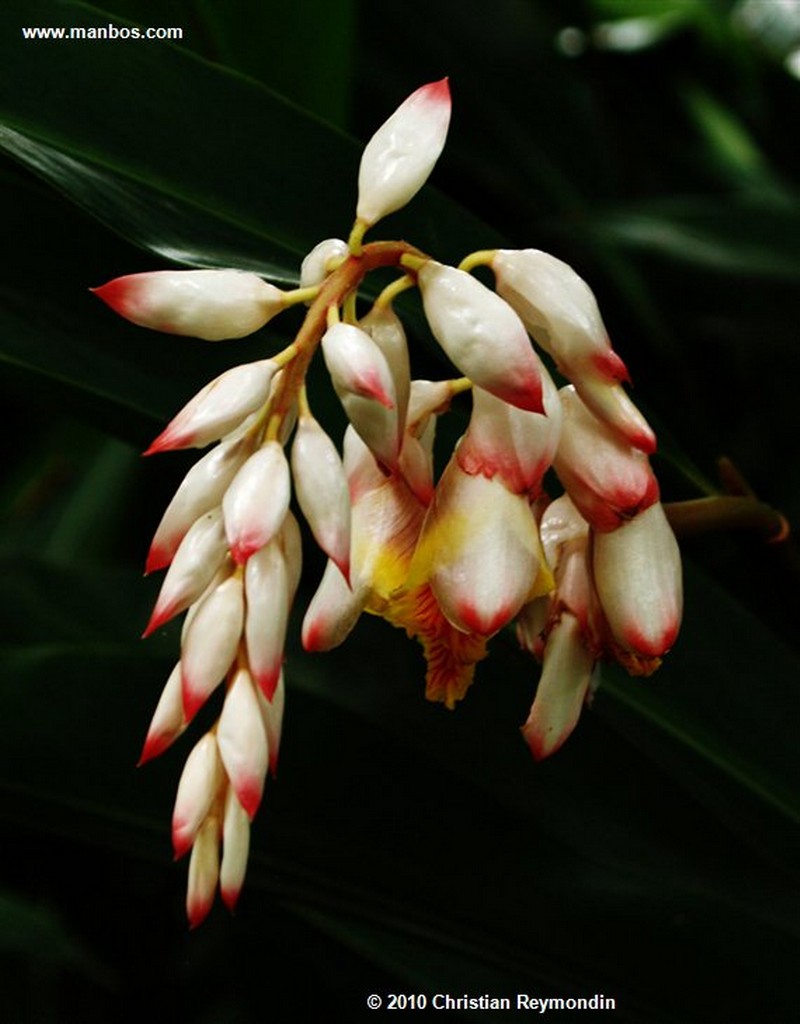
<point>594,574</point>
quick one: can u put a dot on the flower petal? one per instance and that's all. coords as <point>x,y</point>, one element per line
<point>235,849</point>
<point>218,408</point>
<point>208,304</point>
<point>385,328</point>
<point>611,404</point>
<point>559,310</point>
<point>333,611</point>
<point>168,720</point>
<point>203,872</point>
<point>480,551</point>
<point>202,489</point>
<point>198,787</point>
<point>242,741</point>
<point>562,689</point>
<point>608,479</point>
<point>515,445</point>
<point>400,156</point>
<point>314,268</point>
<point>321,487</point>
<point>199,556</point>
<point>637,570</point>
<point>268,601</point>
<point>256,502</point>
<point>210,644</point>
<point>482,335</point>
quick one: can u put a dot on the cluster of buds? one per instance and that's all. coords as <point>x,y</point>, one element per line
<point>594,574</point>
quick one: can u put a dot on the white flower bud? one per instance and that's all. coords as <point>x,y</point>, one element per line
<point>210,643</point>
<point>208,304</point>
<point>200,781</point>
<point>242,741</point>
<point>256,502</point>
<point>202,489</point>
<point>235,849</point>
<point>637,571</point>
<point>482,335</point>
<point>321,487</point>
<point>195,564</point>
<point>402,153</point>
<point>314,268</point>
<point>218,408</point>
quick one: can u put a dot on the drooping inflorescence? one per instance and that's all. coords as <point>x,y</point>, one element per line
<point>593,574</point>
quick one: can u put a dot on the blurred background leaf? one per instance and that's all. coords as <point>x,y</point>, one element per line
<point>403,848</point>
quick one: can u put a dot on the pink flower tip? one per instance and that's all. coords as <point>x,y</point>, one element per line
<point>197,911</point>
<point>541,744</point>
<point>343,565</point>
<point>230,896</point>
<point>191,699</point>
<point>611,367</point>
<point>267,681</point>
<point>644,440</point>
<point>651,646</point>
<point>241,551</point>
<point>437,92</point>
<point>168,440</point>
<point>523,393</point>
<point>160,616</point>
<point>158,557</point>
<point>249,791</point>
<point>116,294</point>
<point>155,743</point>
<point>182,840</point>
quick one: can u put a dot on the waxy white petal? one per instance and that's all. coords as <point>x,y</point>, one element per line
<point>272,713</point>
<point>168,720</point>
<point>242,741</point>
<point>314,268</point>
<point>562,690</point>
<point>482,335</point>
<point>235,849</point>
<point>199,556</point>
<point>210,644</point>
<point>365,386</point>
<point>321,488</point>
<point>333,611</point>
<point>267,586</point>
<point>515,445</point>
<point>291,542</point>
<point>637,571</point>
<point>530,625</point>
<point>199,785</point>
<point>202,489</point>
<point>480,551</point>
<point>385,328</point>
<point>608,480</point>
<point>203,872</point>
<point>400,156</point>
<point>257,500</point>
<point>208,304</point>
<point>218,408</point>
<point>559,310</point>
<point>611,404</point>
<point>356,364</point>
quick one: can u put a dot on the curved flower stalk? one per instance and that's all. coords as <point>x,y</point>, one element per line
<point>452,561</point>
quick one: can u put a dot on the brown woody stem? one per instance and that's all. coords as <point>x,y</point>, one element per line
<point>344,279</point>
<point>727,512</point>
